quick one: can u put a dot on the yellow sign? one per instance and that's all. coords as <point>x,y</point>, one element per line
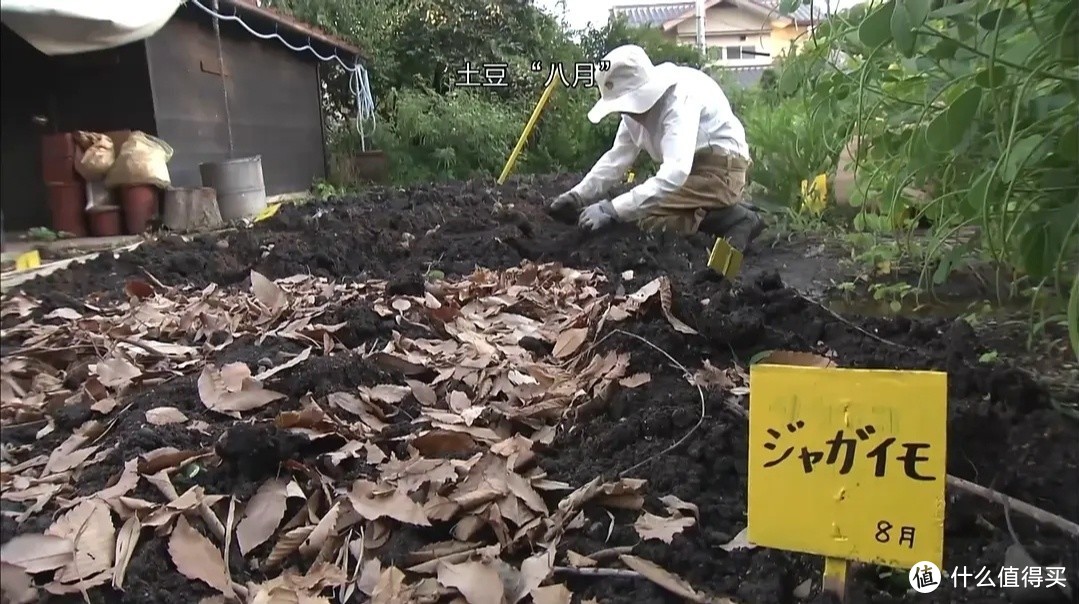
<point>848,463</point>
<point>28,260</point>
<point>815,194</point>
<point>724,259</point>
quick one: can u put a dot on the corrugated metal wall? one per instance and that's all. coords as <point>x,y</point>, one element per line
<point>273,100</point>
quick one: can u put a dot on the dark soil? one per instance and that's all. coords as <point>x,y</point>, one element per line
<point>1004,432</point>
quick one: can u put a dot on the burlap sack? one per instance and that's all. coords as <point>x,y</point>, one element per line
<point>143,160</point>
<point>98,155</point>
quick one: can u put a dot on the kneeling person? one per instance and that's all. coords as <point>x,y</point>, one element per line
<point>681,117</point>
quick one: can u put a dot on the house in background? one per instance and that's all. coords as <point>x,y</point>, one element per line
<point>171,85</point>
<point>743,36</point>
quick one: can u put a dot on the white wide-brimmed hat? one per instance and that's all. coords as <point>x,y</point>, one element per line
<point>630,84</point>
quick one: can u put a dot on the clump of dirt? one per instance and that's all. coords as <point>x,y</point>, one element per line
<point>406,236</point>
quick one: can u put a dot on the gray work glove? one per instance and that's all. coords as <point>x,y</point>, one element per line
<point>598,216</point>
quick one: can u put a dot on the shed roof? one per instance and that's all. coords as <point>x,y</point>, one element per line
<point>250,9</point>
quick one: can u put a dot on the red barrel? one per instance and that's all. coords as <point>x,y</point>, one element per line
<point>67,205</point>
<point>58,156</point>
<point>139,203</point>
<point>106,222</point>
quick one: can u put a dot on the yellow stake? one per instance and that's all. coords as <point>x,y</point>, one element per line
<point>835,577</point>
<point>528,130</point>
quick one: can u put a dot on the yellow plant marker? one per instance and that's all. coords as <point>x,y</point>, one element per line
<point>724,259</point>
<point>529,125</point>
<point>269,211</point>
<point>28,260</point>
<point>630,177</point>
<point>815,194</point>
<point>861,451</point>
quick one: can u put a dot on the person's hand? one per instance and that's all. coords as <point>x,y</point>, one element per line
<point>565,207</point>
<point>597,216</point>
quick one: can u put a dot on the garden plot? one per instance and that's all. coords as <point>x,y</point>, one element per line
<point>440,393</point>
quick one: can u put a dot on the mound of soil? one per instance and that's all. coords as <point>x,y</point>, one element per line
<point>1003,433</point>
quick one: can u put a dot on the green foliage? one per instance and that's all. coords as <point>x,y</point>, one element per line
<point>976,102</point>
<point>454,135</point>
<point>431,129</point>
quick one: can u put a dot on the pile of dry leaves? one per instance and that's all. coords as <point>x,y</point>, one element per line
<point>447,453</point>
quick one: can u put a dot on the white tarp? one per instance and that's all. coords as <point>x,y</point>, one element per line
<point>65,27</point>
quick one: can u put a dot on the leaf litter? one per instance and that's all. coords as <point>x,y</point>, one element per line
<point>476,403</point>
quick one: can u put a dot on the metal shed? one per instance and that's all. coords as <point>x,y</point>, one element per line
<point>170,85</point>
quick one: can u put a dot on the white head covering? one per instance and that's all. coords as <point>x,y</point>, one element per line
<point>631,84</point>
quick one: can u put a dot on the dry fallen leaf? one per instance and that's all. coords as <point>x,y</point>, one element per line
<point>800,359</point>
<point>711,377</point>
<point>373,502</point>
<point>115,372</point>
<point>37,553</point>
<point>232,389</point>
<point>387,393</point>
<point>196,558</point>
<point>126,542</point>
<point>739,541</point>
<point>650,526</point>
<point>676,505</point>
<point>443,443</point>
<point>370,573</point>
<point>666,300</point>
<point>296,360</point>
<point>162,416</point>
<point>636,380</point>
<point>391,588</point>
<point>16,585</point>
<point>578,560</point>
<point>534,571</point>
<point>262,515</point>
<point>137,288</point>
<point>569,341</point>
<point>479,583</point>
<point>552,594</point>
<point>667,580</point>
<point>267,292</point>
<point>89,526</point>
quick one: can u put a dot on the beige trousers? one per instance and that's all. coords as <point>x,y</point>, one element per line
<point>716,181</point>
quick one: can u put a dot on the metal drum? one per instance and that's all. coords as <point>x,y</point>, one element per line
<point>241,191</point>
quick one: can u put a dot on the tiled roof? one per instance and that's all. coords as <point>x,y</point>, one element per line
<point>802,14</point>
<point>657,14</point>
<point>644,15</point>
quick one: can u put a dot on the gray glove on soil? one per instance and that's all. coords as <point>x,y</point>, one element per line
<point>598,216</point>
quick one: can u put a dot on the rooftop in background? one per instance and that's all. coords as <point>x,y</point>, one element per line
<point>252,10</point>
<point>644,15</point>
<point>661,15</point>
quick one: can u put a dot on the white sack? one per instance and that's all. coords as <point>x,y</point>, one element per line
<point>65,27</point>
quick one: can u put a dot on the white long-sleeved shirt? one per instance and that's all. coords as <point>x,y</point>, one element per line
<point>693,115</point>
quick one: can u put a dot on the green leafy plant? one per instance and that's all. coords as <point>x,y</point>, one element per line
<point>973,104</point>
